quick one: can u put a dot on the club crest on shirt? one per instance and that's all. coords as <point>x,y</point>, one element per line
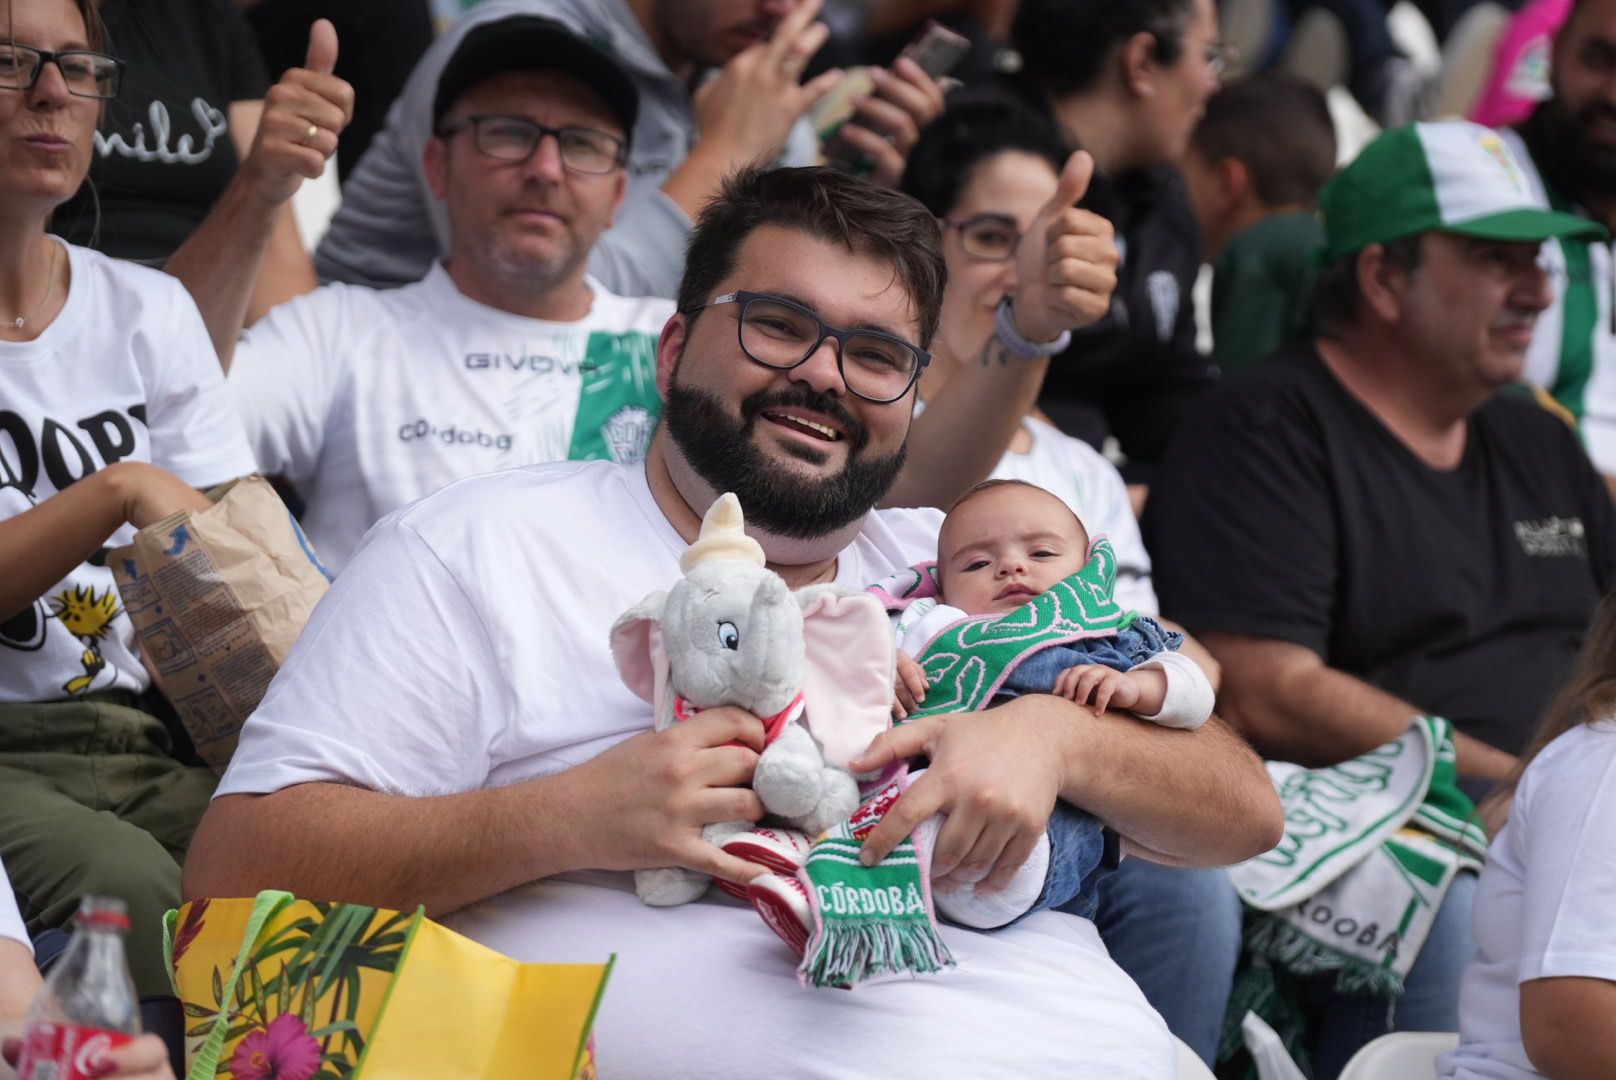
<point>628,434</point>
<point>1494,146</point>
<point>1553,537</point>
<point>1162,287</point>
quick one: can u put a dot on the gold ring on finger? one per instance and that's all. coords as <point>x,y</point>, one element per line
<point>312,134</point>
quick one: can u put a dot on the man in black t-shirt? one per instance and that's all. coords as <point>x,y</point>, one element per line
<point>1367,529</point>
<point>1371,529</point>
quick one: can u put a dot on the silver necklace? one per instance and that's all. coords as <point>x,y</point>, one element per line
<point>50,289</point>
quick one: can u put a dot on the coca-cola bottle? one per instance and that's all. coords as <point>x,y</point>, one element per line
<point>88,1004</point>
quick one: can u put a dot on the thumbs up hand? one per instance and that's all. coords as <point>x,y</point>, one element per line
<point>321,57</point>
<point>303,115</point>
<point>1066,263</point>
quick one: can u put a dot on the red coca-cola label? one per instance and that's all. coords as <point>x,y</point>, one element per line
<point>65,1051</point>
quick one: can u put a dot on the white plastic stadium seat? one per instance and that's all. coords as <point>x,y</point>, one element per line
<point>1190,1067</point>
<point>1402,1055</point>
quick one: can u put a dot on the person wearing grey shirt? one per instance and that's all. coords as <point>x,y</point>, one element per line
<point>388,230</point>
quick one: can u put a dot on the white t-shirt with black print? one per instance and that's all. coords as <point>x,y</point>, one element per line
<point>126,372</point>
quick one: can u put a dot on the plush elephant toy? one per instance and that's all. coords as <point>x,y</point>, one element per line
<point>814,665</point>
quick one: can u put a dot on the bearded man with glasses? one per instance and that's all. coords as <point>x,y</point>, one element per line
<point>491,763</point>
<point>508,352</point>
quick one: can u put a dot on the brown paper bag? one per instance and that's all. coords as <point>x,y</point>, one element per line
<point>217,598</point>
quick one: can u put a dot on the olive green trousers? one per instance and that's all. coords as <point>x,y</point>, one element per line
<point>91,801</point>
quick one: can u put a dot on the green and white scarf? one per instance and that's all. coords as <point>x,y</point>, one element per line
<point>877,920</point>
<point>1370,848</point>
<point>968,661</point>
<point>870,920</point>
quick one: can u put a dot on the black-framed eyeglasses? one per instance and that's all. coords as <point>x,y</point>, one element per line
<point>515,138</point>
<point>1220,55</point>
<point>779,333</point>
<point>87,74</point>
<point>990,237</point>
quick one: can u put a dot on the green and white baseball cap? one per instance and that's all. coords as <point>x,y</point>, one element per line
<point>1448,176</point>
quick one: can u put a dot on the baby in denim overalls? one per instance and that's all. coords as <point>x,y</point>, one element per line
<point>1003,543</point>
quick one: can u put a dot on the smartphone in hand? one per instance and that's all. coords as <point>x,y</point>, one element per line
<point>937,49</point>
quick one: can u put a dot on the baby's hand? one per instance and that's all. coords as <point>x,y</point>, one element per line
<point>1099,686</point>
<point>910,689</point>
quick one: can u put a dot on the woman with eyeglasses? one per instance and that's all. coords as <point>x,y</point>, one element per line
<point>112,411</point>
<point>985,171</point>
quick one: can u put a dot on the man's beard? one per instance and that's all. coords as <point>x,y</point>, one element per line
<point>532,274</point>
<point>1586,167</point>
<point>504,254</point>
<point>685,25</point>
<point>775,499</point>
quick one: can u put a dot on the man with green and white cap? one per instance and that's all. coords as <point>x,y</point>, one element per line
<point>1367,529</point>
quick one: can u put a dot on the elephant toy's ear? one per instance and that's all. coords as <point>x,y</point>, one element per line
<point>637,647</point>
<point>848,688</point>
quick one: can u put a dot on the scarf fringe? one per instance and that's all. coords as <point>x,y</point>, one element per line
<point>1281,943</point>
<point>847,953</point>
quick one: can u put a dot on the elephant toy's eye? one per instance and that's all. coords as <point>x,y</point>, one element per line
<point>728,636</point>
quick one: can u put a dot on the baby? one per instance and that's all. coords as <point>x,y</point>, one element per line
<point>1003,543</point>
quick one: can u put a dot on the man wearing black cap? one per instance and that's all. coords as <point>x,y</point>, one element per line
<point>507,353</point>
<point>692,130</point>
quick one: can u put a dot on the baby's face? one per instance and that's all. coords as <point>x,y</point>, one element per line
<point>1005,546</point>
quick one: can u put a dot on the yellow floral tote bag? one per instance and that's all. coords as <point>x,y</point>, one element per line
<point>277,988</point>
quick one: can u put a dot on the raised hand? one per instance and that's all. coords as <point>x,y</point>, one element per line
<point>885,125</point>
<point>1066,263</point>
<point>748,110</point>
<point>303,115</point>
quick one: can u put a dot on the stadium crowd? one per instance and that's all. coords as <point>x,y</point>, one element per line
<point>863,263</point>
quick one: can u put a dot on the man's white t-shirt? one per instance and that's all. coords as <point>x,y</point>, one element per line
<point>126,372</point>
<point>1081,477</point>
<point>367,400</point>
<point>1543,904</point>
<point>467,647</point>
